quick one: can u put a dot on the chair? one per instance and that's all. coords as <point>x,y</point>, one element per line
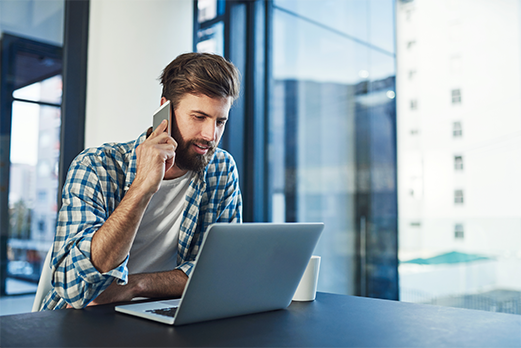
<point>44,285</point>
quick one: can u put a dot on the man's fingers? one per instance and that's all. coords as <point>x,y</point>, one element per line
<point>171,141</point>
<point>161,137</point>
<point>160,129</point>
<point>165,138</point>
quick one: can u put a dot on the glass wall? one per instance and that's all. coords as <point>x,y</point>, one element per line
<point>314,132</point>
<point>210,22</point>
<point>35,149</point>
<point>459,153</point>
<point>31,34</point>
<point>332,136</point>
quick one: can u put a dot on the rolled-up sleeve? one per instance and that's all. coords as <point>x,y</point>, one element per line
<point>84,210</point>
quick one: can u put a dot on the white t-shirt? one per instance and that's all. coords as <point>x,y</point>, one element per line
<point>155,245</point>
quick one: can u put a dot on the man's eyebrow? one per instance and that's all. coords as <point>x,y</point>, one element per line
<point>202,113</point>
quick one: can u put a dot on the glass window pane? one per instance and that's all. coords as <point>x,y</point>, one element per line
<point>209,9</point>
<point>349,17</point>
<point>466,159</point>
<point>35,147</point>
<point>367,20</point>
<point>49,91</point>
<point>329,125</point>
<point>211,40</point>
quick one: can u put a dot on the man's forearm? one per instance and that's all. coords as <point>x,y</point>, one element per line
<point>112,242</point>
<point>169,284</point>
<point>161,284</point>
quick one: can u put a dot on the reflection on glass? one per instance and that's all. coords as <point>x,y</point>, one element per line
<point>370,21</point>
<point>49,91</point>
<point>331,142</point>
<point>35,147</point>
<point>209,9</point>
<point>211,40</point>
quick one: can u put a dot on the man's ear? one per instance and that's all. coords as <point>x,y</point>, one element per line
<point>163,100</point>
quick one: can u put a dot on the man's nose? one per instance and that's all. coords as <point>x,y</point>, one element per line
<point>208,131</point>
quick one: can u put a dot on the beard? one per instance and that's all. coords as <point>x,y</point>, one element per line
<point>186,158</point>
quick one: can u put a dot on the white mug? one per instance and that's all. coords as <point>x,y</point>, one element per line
<point>307,288</point>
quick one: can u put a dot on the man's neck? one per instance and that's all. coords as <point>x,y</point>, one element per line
<point>174,173</point>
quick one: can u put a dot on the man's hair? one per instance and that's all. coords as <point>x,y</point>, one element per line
<point>200,73</point>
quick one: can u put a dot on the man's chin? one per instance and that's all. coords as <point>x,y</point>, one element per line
<point>196,162</point>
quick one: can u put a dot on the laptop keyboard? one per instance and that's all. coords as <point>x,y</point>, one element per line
<point>167,312</point>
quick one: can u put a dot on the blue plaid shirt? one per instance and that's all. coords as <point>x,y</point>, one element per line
<point>96,183</point>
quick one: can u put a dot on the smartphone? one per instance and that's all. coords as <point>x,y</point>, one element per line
<point>163,113</point>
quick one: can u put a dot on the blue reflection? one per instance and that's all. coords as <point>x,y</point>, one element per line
<point>332,137</point>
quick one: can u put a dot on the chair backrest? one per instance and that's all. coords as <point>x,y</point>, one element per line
<point>44,285</point>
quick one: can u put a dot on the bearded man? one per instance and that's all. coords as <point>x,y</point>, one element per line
<point>134,214</point>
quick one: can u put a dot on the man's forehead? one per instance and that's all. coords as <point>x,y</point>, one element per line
<point>205,98</point>
<point>205,105</point>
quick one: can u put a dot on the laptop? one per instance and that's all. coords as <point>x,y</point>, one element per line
<point>240,269</point>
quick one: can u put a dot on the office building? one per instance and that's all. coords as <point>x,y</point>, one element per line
<point>459,147</point>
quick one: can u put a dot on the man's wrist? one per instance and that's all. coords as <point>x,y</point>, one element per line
<point>137,284</point>
<point>139,193</point>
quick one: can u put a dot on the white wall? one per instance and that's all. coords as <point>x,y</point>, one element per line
<point>130,42</point>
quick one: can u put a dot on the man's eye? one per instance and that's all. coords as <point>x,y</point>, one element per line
<point>221,123</point>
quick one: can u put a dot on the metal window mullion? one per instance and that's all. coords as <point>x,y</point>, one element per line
<point>36,102</point>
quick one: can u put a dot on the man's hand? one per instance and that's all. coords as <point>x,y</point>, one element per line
<point>155,156</point>
<point>114,293</point>
<point>152,285</point>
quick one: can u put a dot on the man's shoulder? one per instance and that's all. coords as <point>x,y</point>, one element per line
<point>107,154</point>
<point>222,160</point>
<point>221,169</point>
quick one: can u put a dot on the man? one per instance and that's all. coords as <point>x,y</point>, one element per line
<point>134,214</point>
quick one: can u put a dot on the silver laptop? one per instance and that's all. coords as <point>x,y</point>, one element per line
<point>240,269</point>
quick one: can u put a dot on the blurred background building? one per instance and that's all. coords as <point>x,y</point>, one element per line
<point>459,152</point>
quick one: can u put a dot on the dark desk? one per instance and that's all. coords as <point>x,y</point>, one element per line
<point>332,320</point>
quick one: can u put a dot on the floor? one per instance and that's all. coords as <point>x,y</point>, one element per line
<point>16,304</point>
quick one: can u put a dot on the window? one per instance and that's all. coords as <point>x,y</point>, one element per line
<point>456,96</point>
<point>210,26</point>
<point>209,9</point>
<point>458,162</point>
<point>330,91</point>
<point>33,103</point>
<point>42,196</point>
<point>458,196</point>
<point>326,84</point>
<point>469,242</point>
<point>41,226</point>
<point>457,130</point>
<point>458,231</point>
